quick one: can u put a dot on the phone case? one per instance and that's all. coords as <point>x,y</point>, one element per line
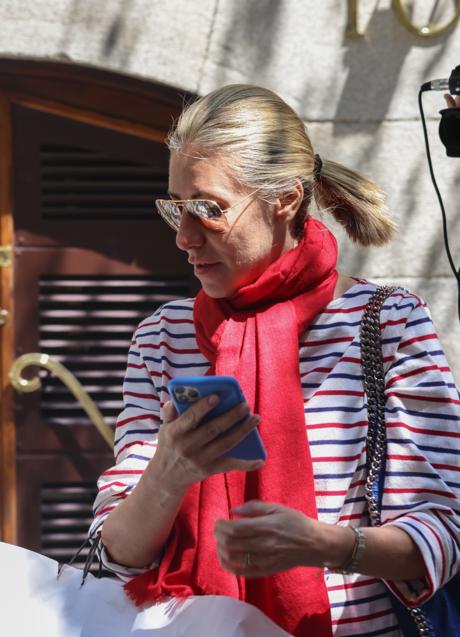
<point>187,390</point>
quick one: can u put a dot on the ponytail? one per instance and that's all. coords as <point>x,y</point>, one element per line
<point>355,202</point>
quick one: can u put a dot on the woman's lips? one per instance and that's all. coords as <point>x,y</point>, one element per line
<point>204,268</point>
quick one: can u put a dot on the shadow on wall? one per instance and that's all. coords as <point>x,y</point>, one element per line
<point>361,260</point>
<point>374,64</point>
<point>419,245</point>
<point>123,27</point>
<point>382,54</point>
<point>255,24</point>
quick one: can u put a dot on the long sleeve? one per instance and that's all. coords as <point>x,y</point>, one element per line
<point>163,347</point>
<point>135,442</point>
<point>422,480</point>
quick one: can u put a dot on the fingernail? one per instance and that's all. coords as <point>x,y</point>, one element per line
<point>255,420</point>
<point>213,400</point>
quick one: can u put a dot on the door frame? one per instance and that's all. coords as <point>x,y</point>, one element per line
<point>8,514</point>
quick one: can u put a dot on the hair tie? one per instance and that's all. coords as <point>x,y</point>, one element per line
<point>318,166</point>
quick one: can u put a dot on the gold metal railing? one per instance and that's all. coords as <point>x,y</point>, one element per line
<point>25,385</point>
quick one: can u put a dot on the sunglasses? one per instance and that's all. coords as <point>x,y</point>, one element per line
<point>208,212</point>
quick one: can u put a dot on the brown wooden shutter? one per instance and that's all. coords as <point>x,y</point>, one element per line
<point>65,515</point>
<point>87,323</point>
<point>92,259</point>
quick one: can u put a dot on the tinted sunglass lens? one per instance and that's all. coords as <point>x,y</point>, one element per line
<point>209,212</point>
<point>171,213</point>
<point>204,209</point>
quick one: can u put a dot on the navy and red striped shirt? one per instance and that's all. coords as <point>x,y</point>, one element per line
<point>422,481</point>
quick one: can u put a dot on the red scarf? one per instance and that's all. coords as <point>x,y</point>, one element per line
<point>254,336</point>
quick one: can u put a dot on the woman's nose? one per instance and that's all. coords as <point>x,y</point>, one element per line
<point>190,233</point>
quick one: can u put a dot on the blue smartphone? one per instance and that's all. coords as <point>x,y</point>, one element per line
<point>188,390</point>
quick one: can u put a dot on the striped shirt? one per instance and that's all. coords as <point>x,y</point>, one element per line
<point>422,481</point>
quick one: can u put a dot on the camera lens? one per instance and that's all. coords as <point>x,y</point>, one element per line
<point>181,394</point>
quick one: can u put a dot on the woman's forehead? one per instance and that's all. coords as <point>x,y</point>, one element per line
<point>193,176</point>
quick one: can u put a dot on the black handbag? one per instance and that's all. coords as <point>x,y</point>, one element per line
<point>440,615</point>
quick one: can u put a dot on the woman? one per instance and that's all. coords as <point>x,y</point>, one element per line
<point>290,536</point>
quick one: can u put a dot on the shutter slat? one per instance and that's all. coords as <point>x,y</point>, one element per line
<point>140,186</point>
<point>81,183</point>
<point>87,324</point>
<point>66,514</point>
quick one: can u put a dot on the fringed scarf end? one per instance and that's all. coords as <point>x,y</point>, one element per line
<point>142,589</point>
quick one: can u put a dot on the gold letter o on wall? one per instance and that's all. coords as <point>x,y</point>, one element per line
<point>430,30</point>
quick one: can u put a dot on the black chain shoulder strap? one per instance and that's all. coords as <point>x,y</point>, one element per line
<point>374,387</point>
<point>376,442</point>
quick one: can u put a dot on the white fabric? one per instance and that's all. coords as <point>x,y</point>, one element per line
<point>35,603</point>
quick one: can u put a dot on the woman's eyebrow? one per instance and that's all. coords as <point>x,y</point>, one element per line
<point>199,194</point>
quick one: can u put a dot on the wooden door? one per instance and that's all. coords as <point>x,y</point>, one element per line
<point>90,260</point>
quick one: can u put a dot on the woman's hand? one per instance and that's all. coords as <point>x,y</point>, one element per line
<point>276,538</point>
<point>189,451</point>
<point>269,538</point>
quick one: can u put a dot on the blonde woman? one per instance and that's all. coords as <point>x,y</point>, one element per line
<point>290,536</point>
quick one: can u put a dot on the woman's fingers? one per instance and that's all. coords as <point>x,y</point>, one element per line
<point>169,412</point>
<point>272,537</point>
<point>201,445</point>
<point>255,557</point>
<point>251,566</point>
<point>209,441</point>
<point>224,465</point>
<point>210,431</point>
<point>192,417</point>
<point>200,433</point>
<point>254,544</point>
<point>230,434</point>
<point>260,518</point>
<point>256,508</point>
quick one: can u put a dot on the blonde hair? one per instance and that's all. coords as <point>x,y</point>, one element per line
<point>267,148</point>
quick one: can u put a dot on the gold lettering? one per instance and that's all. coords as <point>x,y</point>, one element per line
<point>352,20</point>
<point>429,30</point>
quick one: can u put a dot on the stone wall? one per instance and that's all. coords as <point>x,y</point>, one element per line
<point>358,96</point>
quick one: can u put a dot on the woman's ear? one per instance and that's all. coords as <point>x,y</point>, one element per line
<point>288,204</point>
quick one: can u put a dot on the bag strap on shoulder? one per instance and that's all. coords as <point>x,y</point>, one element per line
<point>376,441</point>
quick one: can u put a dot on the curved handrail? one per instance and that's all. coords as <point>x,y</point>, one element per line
<point>25,385</point>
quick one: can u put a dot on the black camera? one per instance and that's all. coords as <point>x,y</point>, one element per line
<point>449,126</point>
<point>449,130</point>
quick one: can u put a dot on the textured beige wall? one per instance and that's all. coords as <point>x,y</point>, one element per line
<point>359,97</point>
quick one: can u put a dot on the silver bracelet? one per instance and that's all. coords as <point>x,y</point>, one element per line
<point>360,544</point>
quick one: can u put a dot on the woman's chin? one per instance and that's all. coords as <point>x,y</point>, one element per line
<point>217,290</point>
<point>214,293</point>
